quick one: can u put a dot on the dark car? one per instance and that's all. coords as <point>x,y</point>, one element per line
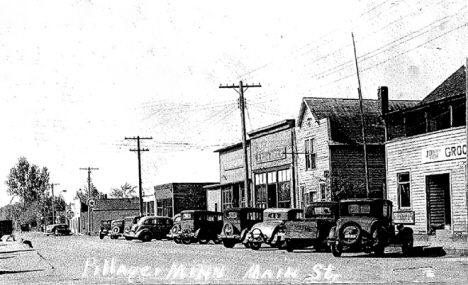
<point>366,225</point>
<point>58,230</point>
<point>105,228</point>
<point>117,228</point>
<point>6,227</point>
<point>150,227</point>
<point>319,218</point>
<point>129,222</point>
<point>200,226</point>
<point>174,232</point>
<point>271,230</point>
<point>237,223</point>
<point>25,228</point>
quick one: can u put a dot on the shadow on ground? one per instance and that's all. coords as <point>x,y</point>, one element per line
<point>19,271</point>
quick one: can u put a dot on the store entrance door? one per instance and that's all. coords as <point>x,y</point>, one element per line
<point>439,210</point>
<point>272,196</point>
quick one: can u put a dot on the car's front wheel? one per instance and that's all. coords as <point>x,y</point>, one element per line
<point>407,247</point>
<point>101,236</point>
<point>229,243</point>
<point>146,237</point>
<point>255,245</point>
<point>289,246</point>
<point>336,250</point>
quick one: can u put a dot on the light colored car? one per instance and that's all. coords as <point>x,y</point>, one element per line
<point>271,230</point>
<point>58,229</point>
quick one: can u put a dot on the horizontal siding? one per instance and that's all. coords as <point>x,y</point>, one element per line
<point>406,155</point>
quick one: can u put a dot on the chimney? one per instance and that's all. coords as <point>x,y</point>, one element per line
<point>382,94</point>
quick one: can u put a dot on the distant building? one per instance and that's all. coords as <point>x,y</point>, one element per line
<point>172,198</point>
<point>105,209</point>
<point>426,158</point>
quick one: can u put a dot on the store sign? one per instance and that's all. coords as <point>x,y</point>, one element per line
<point>271,155</point>
<point>403,217</point>
<point>442,153</point>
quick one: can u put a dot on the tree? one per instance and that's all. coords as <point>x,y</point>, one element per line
<point>82,194</point>
<point>27,182</point>
<point>125,191</point>
<point>343,188</point>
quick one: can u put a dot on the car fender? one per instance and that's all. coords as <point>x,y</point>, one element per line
<point>141,232</point>
<point>197,232</point>
<point>244,234</point>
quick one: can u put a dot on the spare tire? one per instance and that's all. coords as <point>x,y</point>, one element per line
<point>228,229</point>
<point>350,233</point>
<point>115,230</point>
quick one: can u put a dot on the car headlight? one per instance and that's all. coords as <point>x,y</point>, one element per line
<point>256,233</point>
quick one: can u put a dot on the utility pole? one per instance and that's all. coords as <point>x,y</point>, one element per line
<point>53,206</point>
<point>362,121</point>
<point>140,192</point>
<point>242,88</point>
<point>89,195</point>
<point>466,123</point>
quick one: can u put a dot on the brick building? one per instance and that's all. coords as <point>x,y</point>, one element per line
<point>330,160</point>
<point>426,160</point>
<point>172,198</point>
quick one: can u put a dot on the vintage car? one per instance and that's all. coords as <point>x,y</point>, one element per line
<point>105,228</point>
<point>150,227</point>
<point>200,226</point>
<point>366,225</point>
<point>271,230</point>
<point>117,228</point>
<point>173,233</point>
<point>319,218</point>
<point>58,230</point>
<point>237,223</point>
<point>129,222</point>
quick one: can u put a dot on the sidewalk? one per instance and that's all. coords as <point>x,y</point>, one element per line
<point>450,244</point>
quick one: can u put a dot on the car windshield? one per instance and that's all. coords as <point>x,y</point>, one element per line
<point>105,222</point>
<point>232,215</point>
<point>117,223</point>
<point>274,216</point>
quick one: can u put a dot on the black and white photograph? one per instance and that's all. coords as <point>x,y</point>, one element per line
<point>233,142</point>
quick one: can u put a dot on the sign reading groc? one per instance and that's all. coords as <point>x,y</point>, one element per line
<point>403,217</point>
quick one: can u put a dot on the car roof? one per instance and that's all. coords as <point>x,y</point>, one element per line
<point>153,217</point>
<point>238,209</point>
<point>198,211</point>
<point>281,210</point>
<point>364,200</point>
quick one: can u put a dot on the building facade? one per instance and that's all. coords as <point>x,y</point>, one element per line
<point>426,161</point>
<point>330,148</point>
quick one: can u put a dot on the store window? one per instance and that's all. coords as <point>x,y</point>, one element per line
<point>227,198</point>
<point>323,191</point>
<point>261,190</point>
<point>284,191</point>
<point>404,190</point>
<point>309,149</point>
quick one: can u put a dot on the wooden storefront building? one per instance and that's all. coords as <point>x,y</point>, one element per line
<point>426,160</point>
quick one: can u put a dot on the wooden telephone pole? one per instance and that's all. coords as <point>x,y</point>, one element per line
<point>362,122</point>
<point>140,194</point>
<point>89,195</point>
<point>53,198</point>
<point>242,88</point>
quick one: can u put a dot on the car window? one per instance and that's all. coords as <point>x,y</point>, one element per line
<point>274,215</point>
<point>298,216</point>
<point>147,222</point>
<point>254,216</point>
<point>233,215</point>
<point>176,219</point>
<point>187,216</point>
<point>358,209</point>
<point>210,218</point>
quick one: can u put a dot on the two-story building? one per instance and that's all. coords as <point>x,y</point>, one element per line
<point>426,160</point>
<point>330,147</point>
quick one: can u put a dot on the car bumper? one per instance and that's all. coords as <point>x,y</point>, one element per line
<point>231,237</point>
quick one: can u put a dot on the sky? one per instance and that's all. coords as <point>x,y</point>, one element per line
<point>78,77</point>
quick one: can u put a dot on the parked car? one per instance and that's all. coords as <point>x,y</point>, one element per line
<point>105,228</point>
<point>117,228</point>
<point>236,224</point>
<point>129,222</point>
<point>271,230</point>
<point>200,226</point>
<point>319,218</point>
<point>24,228</point>
<point>6,227</point>
<point>57,230</point>
<point>366,225</point>
<point>150,227</point>
<point>173,233</point>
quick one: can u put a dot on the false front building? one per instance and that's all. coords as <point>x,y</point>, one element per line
<point>426,158</point>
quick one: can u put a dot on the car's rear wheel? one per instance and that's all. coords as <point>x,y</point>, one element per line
<point>101,236</point>
<point>177,240</point>
<point>229,243</point>
<point>350,233</point>
<point>336,250</point>
<point>289,246</point>
<point>186,240</point>
<point>146,237</point>
<point>407,246</point>
<point>255,245</point>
